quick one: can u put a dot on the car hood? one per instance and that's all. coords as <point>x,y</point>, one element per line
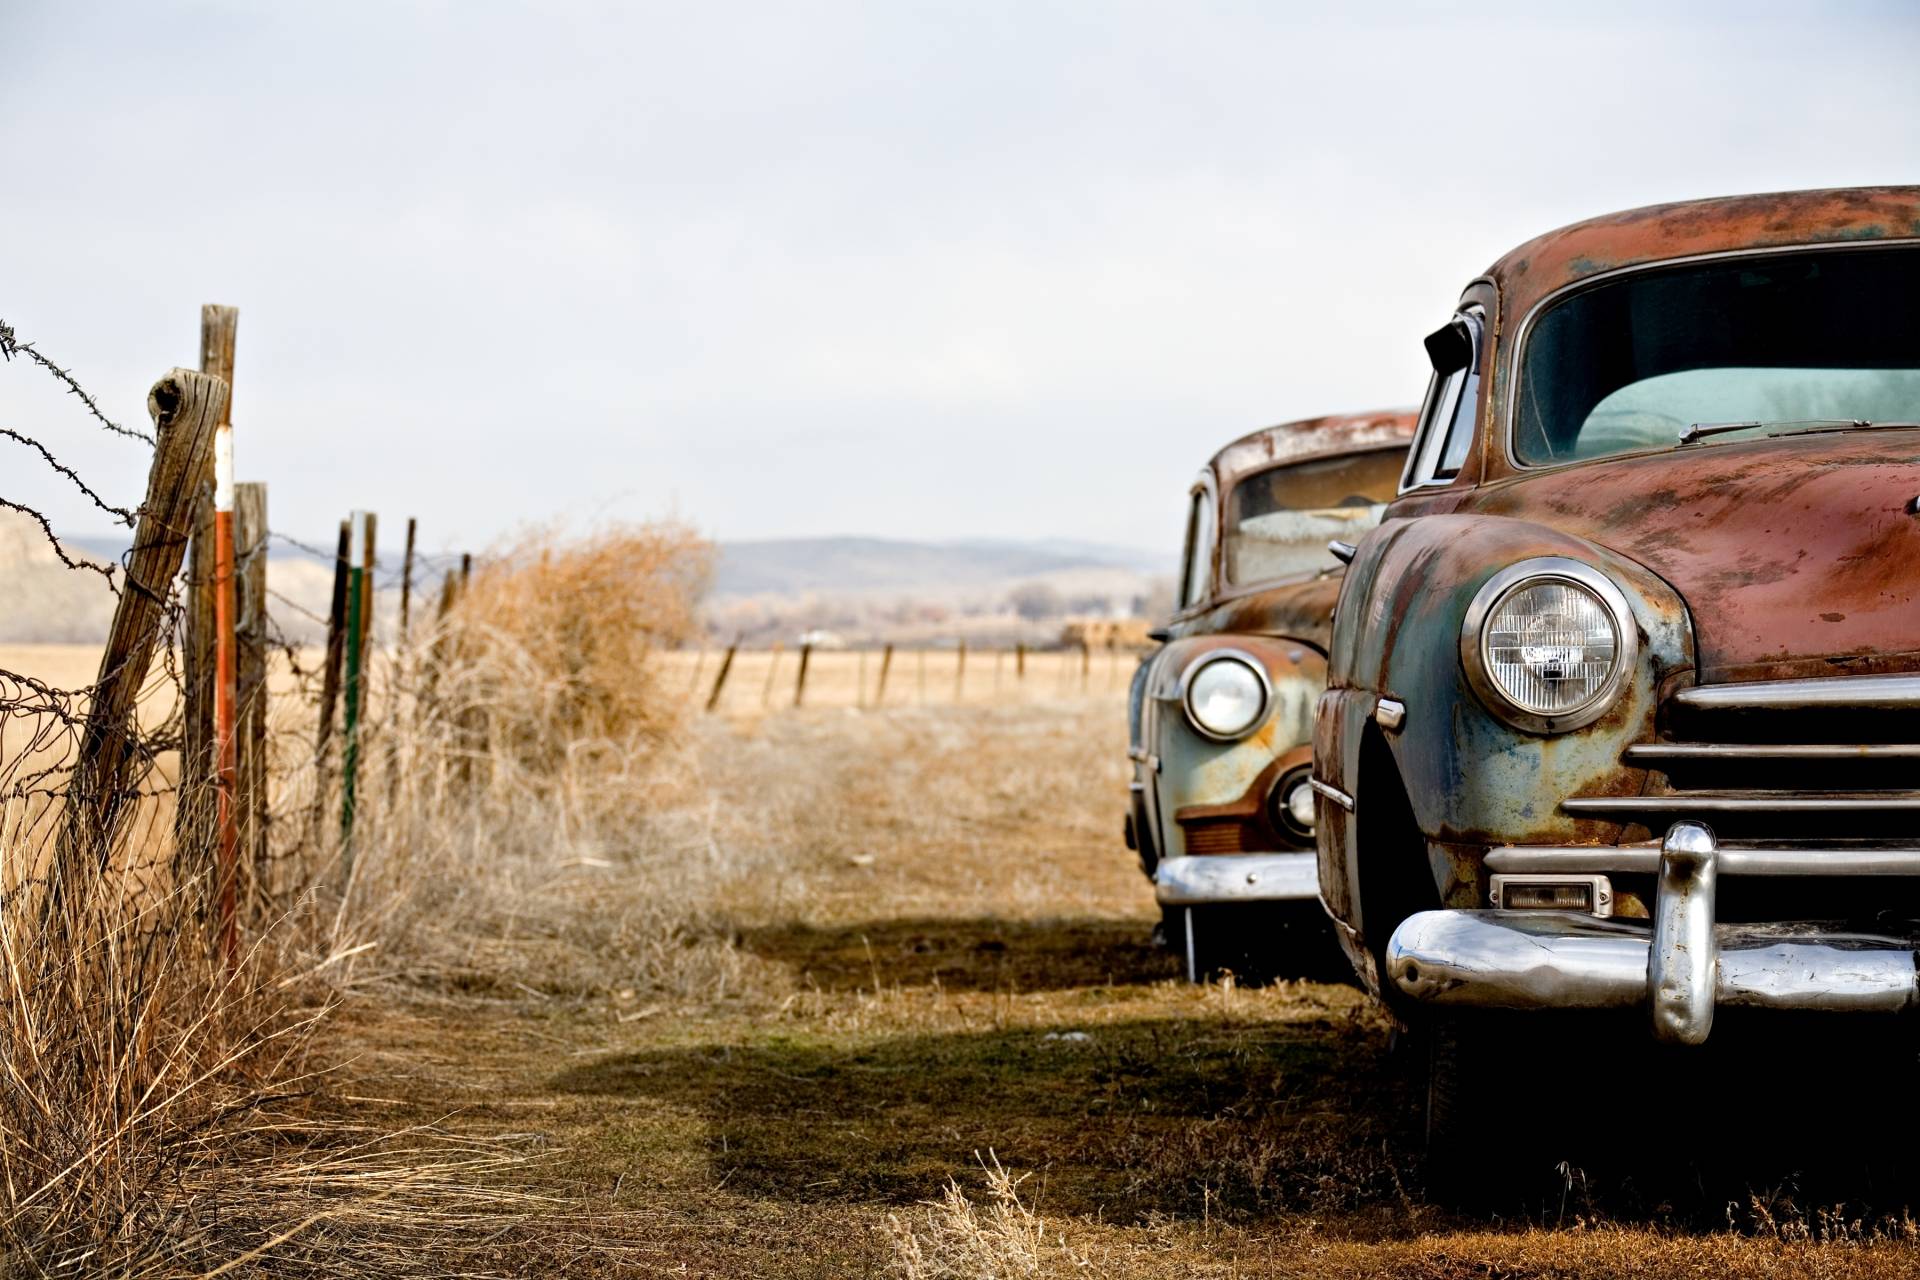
<point>1795,554</point>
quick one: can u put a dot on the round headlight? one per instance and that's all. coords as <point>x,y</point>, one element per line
<point>1548,643</point>
<point>1225,696</point>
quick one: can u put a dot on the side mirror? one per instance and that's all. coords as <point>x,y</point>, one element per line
<point>1342,551</point>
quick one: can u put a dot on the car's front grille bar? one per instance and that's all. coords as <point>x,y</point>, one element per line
<point>1734,860</point>
<point>1616,808</point>
<point>1865,693</point>
<point>1654,754</point>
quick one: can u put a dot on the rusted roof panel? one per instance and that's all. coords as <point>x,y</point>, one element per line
<point>1727,223</point>
<point>1312,438</point>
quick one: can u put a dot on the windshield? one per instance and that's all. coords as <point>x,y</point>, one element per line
<point>1796,338</point>
<point>1280,520</point>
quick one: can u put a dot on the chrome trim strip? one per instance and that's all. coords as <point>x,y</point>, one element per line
<point>1734,860</point>
<point>1657,751</point>
<point>1684,958</point>
<point>1721,802</point>
<point>1389,713</point>
<point>1332,793</point>
<point>1872,693</point>
<point>1236,877</point>
<point>1511,383</point>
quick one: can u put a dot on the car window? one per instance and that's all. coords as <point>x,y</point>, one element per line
<point>1199,554</point>
<point>1807,337</point>
<point>1445,433</point>
<point>1280,520</point>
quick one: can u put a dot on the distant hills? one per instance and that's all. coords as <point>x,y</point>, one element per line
<point>796,566</point>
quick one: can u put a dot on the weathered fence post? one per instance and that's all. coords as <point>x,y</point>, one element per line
<point>960,672</point>
<point>1086,663</point>
<point>406,579</point>
<point>186,408</point>
<point>800,680</point>
<point>250,552</point>
<point>1020,660</point>
<point>880,688</point>
<point>720,678</point>
<point>219,328</point>
<point>773,665</point>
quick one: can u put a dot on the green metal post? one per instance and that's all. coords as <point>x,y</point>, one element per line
<point>350,745</point>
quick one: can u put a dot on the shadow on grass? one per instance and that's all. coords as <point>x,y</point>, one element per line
<point>1174,1116</point>
<point>1184,1117</point>
<point>968,954</point>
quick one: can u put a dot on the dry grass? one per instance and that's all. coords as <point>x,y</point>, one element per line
<point>645,991</point>
<point>908,937</point>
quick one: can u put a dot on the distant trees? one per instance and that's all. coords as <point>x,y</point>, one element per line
<point>1035,601</point>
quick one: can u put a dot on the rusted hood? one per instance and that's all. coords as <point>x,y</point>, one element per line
<point>1795,555</point>
<point>1301,610</point>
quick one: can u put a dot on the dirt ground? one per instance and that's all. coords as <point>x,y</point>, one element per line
<point>940,965</point>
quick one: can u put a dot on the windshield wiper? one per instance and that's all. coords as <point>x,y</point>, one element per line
<point>1700,430</point>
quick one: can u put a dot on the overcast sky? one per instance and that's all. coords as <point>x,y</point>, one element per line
<point>915,270</point>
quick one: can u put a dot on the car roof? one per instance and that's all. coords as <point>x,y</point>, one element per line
<point>1335,433</point>
<point>1726,223</point>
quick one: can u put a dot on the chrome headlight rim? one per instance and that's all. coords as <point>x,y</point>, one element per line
<point>1535,572</point>
<point>1209,658</point>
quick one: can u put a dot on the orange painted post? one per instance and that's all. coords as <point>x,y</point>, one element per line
<point>226,687</point>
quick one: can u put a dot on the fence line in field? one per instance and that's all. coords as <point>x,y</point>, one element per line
<point>159,767</point>
<point>774,678</point>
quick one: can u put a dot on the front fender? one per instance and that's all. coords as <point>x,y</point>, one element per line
<point>1204,782</point>
<point>1471,778</point>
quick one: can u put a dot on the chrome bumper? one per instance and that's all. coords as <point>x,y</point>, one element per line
<point>1680,968</point>
<point>1236,877</point>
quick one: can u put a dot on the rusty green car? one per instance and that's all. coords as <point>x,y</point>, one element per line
<point>1221,715</point>
<point>1623,691</point>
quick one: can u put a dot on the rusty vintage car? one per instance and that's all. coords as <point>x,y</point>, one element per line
<point>1222,713</point>
<point>1623,706</point>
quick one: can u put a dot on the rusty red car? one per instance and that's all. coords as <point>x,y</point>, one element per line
<point>1222,713</point>
<point>1623,706</point>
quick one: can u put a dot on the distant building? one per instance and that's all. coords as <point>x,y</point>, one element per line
<point>1106,633</point>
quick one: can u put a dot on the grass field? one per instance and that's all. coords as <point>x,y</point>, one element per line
<point>914,951</point>
<point>866,994</point>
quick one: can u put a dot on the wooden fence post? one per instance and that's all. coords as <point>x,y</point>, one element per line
<point>186,409</point>
<point>250,552</point>
<point>720,679</point>
<point>773,665</point>
<point>406,579</point>
<point>1020,660</point>
<point>960,671</point>
<point>880,689</point>
<point>219,327</point>
<point>800,680</point>
<point>1086,663</point>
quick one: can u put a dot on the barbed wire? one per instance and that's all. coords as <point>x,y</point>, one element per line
<point>11,346</point>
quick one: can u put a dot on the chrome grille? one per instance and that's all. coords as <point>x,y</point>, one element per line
<point>1835,759</point>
